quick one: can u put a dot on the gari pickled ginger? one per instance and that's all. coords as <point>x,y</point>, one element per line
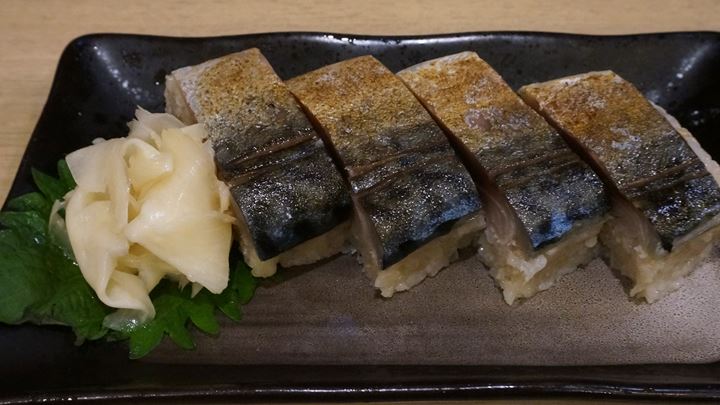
<point>146,207</point>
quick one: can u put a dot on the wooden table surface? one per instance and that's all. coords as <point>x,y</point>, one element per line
<point>34,32</point>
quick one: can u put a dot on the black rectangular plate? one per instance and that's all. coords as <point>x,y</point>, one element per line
<point>101,78</point>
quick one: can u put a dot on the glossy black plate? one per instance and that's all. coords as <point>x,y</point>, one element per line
<point>101,78</point>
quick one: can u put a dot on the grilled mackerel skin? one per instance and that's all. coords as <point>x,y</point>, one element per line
<point>280,175</point>
<point>405,177</point>
<point>547,185</point>
<point>635,148</point>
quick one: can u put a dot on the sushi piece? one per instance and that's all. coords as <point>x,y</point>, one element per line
<point>415,204</point>
<point>292,204</point>
<point>544,205</point>
<point>667,200</point>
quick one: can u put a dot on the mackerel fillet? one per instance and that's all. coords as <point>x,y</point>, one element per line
<point>291,201</point>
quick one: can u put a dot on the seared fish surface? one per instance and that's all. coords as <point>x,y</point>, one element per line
<point>286,189</point>
<point>409,189</point>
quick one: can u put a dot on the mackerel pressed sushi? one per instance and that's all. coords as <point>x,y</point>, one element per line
<point>415,203</point>
<point>291,202</point>
<point>667,199</point>
<point>544,205</point>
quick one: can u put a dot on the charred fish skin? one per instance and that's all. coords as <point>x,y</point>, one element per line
<point>403,173</point>
<point>284,183</point>
<point>638,152</point>
<point>548,186</point>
